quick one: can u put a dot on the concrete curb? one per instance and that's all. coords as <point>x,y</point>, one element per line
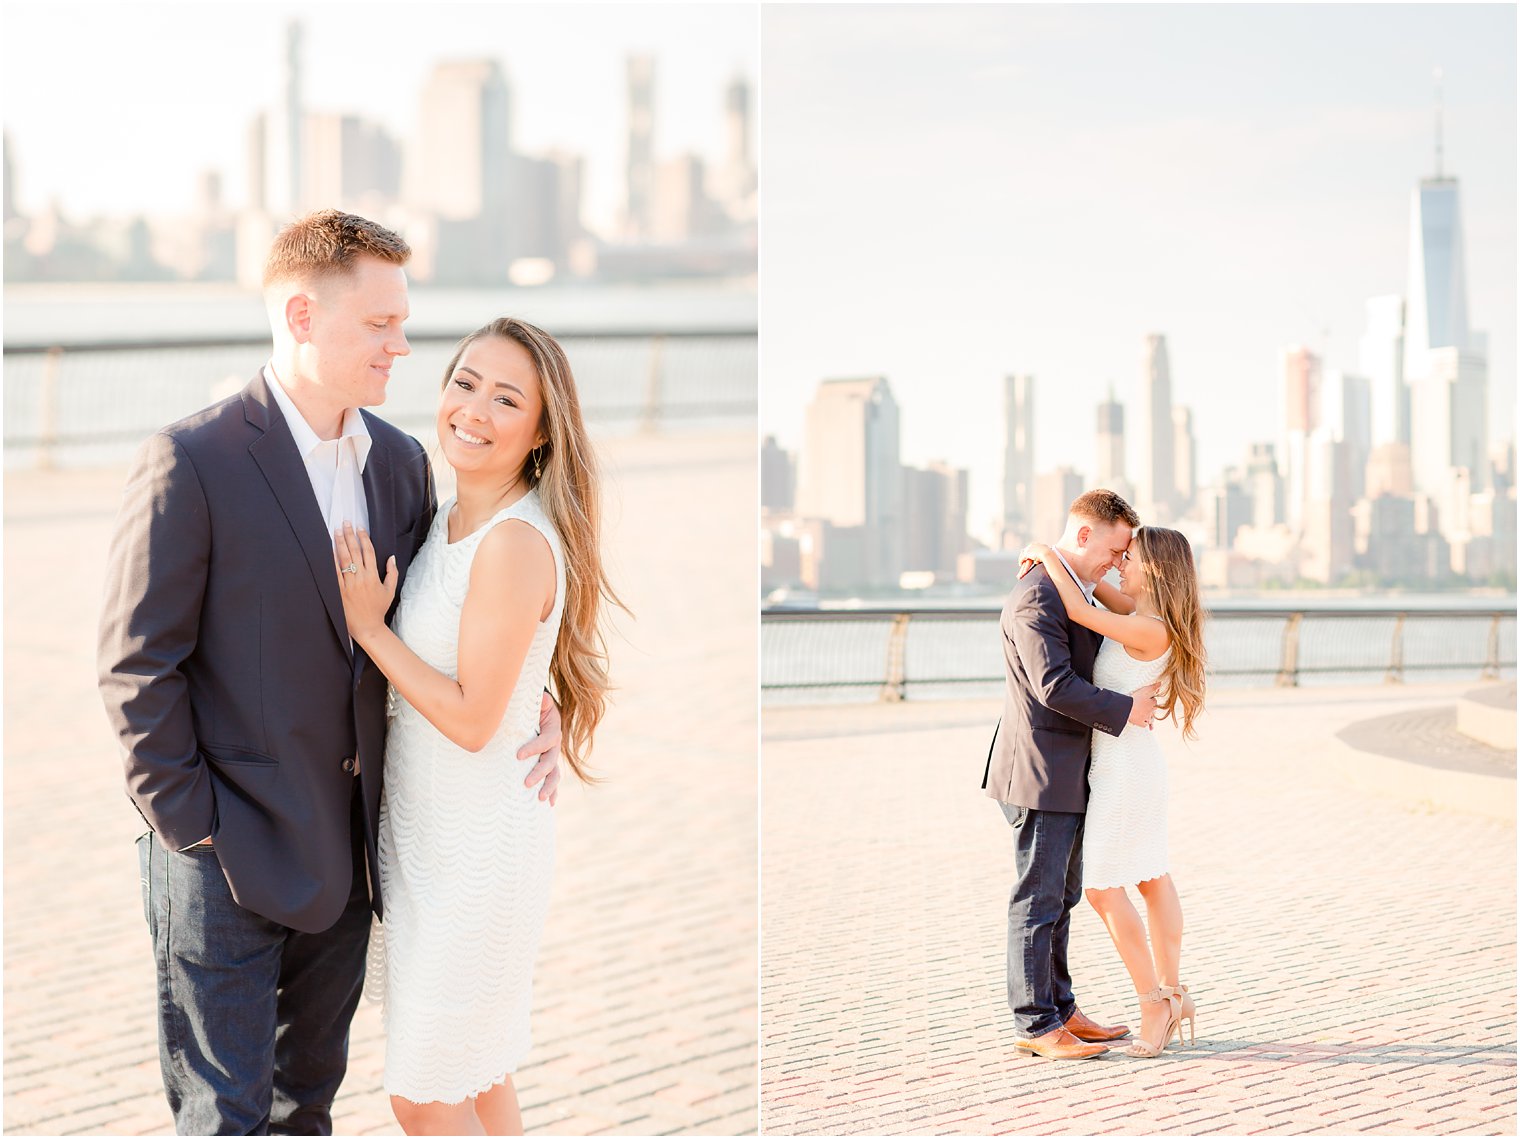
<point>1488,716</point>
<point>1434,788</point>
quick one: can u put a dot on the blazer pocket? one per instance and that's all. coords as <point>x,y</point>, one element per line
<point>238,756</point>
<point>1062,730</point>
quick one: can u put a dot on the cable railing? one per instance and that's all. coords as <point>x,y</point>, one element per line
<point>93,402</point>
<point>899,653</point>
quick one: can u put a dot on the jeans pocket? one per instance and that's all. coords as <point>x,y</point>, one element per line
<point>145,875</point>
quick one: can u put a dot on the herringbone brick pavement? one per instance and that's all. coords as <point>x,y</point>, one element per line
<point>1352,954</point>
<point>645,1017</point>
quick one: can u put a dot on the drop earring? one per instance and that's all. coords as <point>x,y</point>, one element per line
<point>537,463</point>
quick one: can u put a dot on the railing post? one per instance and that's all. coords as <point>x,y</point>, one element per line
<point>897,641</point>
<point>649,422</point>
<point>1491,669</point>
<point>1287,672</point>
<point>47,411</point>
<point>1396,654</point>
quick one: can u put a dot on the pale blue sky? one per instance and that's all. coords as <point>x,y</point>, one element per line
<point>123,117</point>
<point>953,193</point>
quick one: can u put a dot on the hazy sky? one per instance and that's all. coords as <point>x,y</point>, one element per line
<point>954,193</point>
<point>114,108</point>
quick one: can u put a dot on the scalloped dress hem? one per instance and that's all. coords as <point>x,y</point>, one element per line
<point>1128,881</point>
<point>451,1098</point>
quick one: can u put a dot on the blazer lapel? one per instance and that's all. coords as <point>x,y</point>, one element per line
<point>380,498</point>
<point>275,453</point>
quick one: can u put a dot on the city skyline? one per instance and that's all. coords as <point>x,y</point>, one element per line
<point>955,231</point>
<point>375,68</point>
<point>1440,505</point>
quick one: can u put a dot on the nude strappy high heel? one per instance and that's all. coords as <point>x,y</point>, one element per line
<point>1143,1049</point>
<point>1186,1012</point>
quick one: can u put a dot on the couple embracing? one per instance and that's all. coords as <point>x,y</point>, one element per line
<point>331,692</point>
<point>1078,773</point>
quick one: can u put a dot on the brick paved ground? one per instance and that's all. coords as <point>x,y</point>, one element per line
<point>1352,953</point>
<point>646,1002</point>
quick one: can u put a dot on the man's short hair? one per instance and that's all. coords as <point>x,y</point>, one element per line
<point>1106,507</point>
<point>326,242</point>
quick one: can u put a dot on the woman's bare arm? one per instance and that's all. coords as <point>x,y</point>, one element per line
<point>1144,635</point>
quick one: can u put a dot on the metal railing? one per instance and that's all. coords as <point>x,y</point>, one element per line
<point>95,400</point>
<point>896,653</point>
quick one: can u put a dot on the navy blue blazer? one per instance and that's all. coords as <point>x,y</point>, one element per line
<point>224,658</point>
<point>1042,747</point>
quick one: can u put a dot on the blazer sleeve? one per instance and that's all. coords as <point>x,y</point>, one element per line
<point>155,583</point>
<point>1037,630</point>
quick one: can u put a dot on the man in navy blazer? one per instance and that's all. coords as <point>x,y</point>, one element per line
<point>253,727</point>
<point>1037,770</point>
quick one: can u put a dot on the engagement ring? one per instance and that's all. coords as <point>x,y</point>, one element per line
<point>351,568</point>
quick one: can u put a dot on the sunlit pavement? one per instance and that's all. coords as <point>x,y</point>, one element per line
<point>1351,944</point>
<point>645,1016</point>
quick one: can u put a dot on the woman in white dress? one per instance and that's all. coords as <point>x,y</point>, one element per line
<point>1153,630</point>
<point>505,596</point>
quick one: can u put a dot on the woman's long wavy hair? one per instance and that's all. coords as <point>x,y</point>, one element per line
<point>1172,580</point>
<point>568,488</point>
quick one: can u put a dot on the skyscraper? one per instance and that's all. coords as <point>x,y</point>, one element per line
<point>1444,361</point>
<point>776,476</point>
<point>1265,486</point>
<point>639,173</point>
<point>1381,360</point>
<point>1301,380</point>
<point>1054,492</point>
<point>458,169</point>
<point>934,518</point>
<point>1346,414</point>
<point>1185,455</point>
<point>734,181</point>
<point>348,161</point>
<point>1436,316</point>
<point>1326,530</point>
<point>1018,458</point>
<point>850,474</point>
<point>1109,469</point>
<point>10,207</point>
<point>1155,465</point>
<point>282,134</point>
<point>681,209</point>
<point>459,166</point>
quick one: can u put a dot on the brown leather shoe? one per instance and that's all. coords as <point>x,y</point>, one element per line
<point>1084,1027</point>
<point>1058,1044</point>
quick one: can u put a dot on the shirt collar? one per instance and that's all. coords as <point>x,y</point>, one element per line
<point>306,439</point>
<point>1085,586</point>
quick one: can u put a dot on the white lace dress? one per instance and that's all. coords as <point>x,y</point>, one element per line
<point>466,851</point>
<point>1124,840</point>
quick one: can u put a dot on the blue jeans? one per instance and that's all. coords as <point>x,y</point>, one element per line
<point>1047,854</point>
<point>252,1015</point>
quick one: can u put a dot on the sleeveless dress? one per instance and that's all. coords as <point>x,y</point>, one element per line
<point>466,851</point>
<point>1124,840</point>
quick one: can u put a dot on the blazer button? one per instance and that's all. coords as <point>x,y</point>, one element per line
<point>348,765</point>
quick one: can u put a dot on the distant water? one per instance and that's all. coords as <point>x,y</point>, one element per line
<point>65,314</point>
<point>847,660</point>
<point>101,404</point>
<point>1477,598</point>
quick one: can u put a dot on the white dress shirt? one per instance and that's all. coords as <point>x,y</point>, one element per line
<point>1086,587</point>
<point>335,466</point>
